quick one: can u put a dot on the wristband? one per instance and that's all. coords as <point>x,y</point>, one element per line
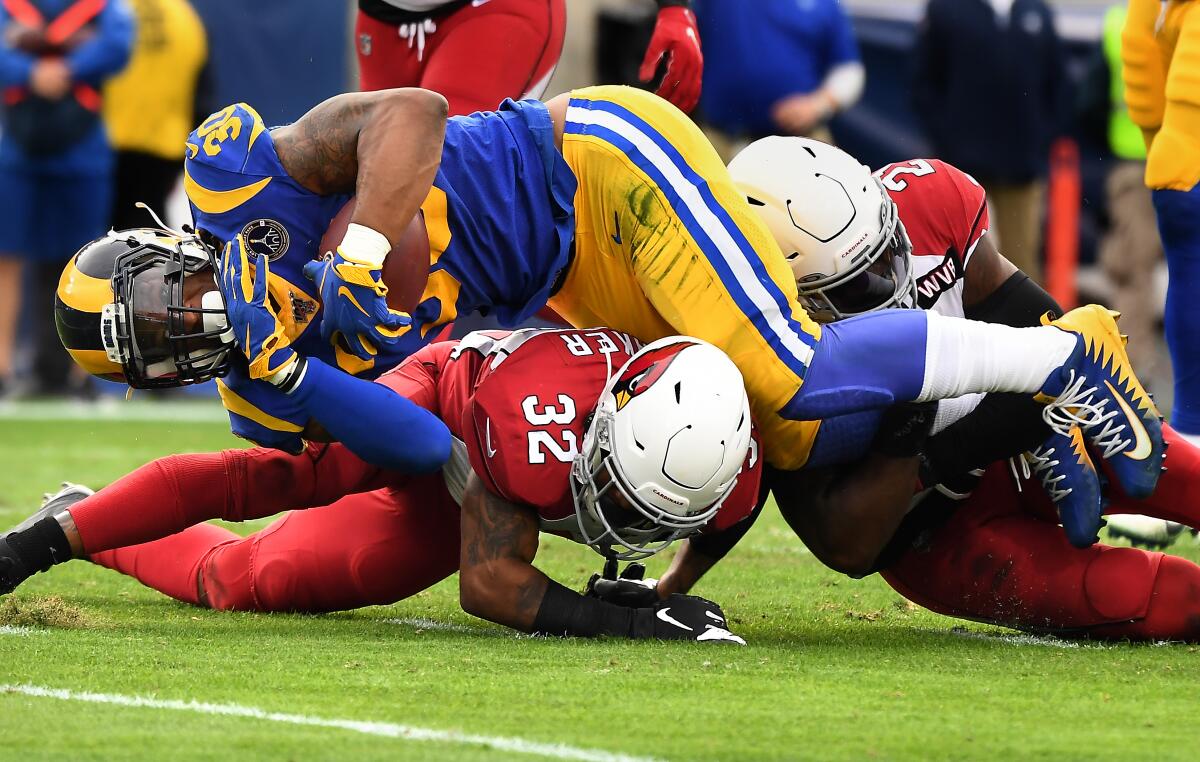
<point>566,612</point>
<point>364,246</point>
<point>290,377</point>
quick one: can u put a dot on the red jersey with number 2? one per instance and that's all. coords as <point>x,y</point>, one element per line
<point>944,212</point>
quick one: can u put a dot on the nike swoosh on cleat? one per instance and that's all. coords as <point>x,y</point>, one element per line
<point>664,615</point>
<point>1141,438</point>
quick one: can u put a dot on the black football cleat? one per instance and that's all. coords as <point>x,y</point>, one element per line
<point>37,543</point>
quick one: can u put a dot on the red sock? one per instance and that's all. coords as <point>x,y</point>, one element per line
<point>150,503</point>
<point>173,493</point>
<point>169,565</point>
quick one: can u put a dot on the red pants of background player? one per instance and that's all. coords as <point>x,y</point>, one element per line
<point>476,56</point>
<point>368,536</point>
<point>1003,559</point>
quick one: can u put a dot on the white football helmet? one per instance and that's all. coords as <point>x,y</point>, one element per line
<point>836,224</point>
<point>663,450</point>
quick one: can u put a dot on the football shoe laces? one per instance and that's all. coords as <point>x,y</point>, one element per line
<point>1069,477</point>
<point>1097,390</point>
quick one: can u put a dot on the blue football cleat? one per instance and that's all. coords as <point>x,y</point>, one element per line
<point>1069,477</point>
<point>1097,390</point>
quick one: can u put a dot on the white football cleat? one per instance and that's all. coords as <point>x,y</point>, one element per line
<point>1144,531</point>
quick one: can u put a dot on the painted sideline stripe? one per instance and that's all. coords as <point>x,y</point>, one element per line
<point>385,729</point>
<point>201,411</point>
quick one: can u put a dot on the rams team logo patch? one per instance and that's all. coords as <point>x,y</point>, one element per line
<point>268,237</point>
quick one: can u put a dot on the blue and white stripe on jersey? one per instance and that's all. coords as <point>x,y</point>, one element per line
<point>736,262</point>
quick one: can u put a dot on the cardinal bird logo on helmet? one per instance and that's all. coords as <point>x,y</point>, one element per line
<point>644,371</point>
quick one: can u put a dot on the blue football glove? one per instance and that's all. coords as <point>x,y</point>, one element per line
<point>353,296</point>
<point>256,328</point>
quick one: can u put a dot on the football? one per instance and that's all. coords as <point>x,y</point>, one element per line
<point>406,267</point>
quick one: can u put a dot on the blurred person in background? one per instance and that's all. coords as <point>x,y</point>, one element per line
<point>55,161</point>
<point>1161,70</point>
<point>785,67</point>
<point>476,53</point>
<point>1131,250</point>
<point>153,104</point>
<point>990,91</point>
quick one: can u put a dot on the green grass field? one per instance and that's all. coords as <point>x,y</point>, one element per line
<point>835,668</point>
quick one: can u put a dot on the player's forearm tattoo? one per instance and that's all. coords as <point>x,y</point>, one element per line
<point>320,151</point>
<point>503,538</point>
<point>501,531</point>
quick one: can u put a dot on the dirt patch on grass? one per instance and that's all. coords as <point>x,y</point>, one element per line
<point>50,611</point>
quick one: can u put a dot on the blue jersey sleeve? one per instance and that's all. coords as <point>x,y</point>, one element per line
<point>260,413</point>
<point>237,185</point>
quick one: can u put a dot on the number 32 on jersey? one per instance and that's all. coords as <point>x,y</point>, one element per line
<point>560,413</point>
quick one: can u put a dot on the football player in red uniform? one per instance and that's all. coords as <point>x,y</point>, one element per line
<point>563,431</point>
<point>991,551</point>
<point>479,52</point>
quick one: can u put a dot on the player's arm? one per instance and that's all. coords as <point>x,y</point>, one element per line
<point>986,271</point>
<point>696,555</point>
<point>373,421</point>
<point>847,515</point>
<point>701,552</point>
<point>498,582</point>
<point>384,147</point>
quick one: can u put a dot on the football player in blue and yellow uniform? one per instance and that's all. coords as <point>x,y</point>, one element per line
<point>610,203</point>
<point>1160,52</point>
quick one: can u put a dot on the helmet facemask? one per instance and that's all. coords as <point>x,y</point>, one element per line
<point>150,329</point>
<point>881,277</point>
<point>613,519</point>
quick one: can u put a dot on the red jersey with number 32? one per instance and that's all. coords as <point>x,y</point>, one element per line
<point>944,212</point>
<point>523,423</point>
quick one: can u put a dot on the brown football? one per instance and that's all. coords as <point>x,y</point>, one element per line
<point>406,267</point>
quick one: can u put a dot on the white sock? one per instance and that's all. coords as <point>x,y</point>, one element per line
<point>954,410</point>
<point>965,356</point>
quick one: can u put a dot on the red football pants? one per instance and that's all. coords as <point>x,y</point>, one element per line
<point>476,56</point>
<point>1002,559</point>
<point>369,536</point>
<point>366,549</point>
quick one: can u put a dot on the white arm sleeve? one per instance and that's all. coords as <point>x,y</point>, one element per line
<point>845,83</point>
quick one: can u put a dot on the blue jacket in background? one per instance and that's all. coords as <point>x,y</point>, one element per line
<point>92,62</point>
<point>990,94</point>
<point>756,53</point>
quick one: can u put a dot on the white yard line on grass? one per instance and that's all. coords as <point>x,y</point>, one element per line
<point>110,409</point>
<point>15,629</point>
<point>420,623</point>
<point>1020,639</point>
<point>385,729</point>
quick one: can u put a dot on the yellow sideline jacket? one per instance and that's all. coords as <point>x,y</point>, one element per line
<point>149,106</point>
